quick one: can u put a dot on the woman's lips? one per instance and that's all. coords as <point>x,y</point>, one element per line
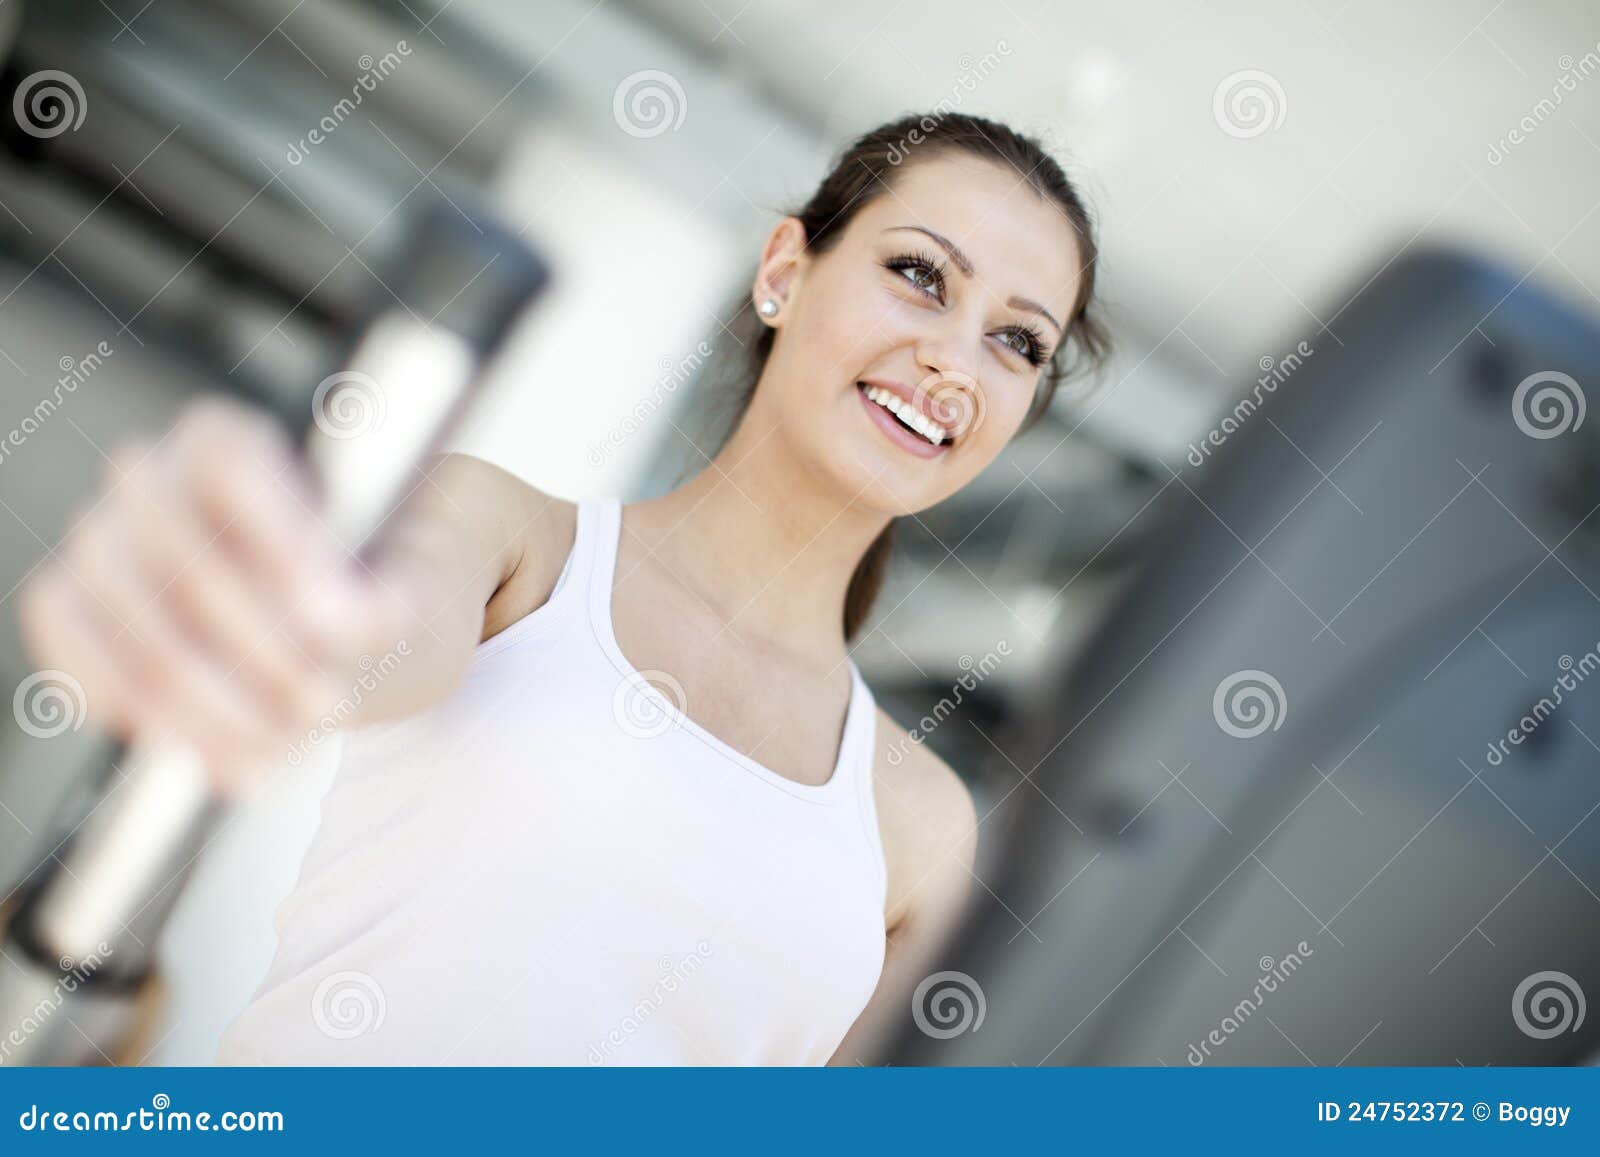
<point>898,434</point>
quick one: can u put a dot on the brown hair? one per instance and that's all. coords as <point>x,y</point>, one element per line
<point>864,171</point>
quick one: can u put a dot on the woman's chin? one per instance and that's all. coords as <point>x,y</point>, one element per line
<point>891,481</point>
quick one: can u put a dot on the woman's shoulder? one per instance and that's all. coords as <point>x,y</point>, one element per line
<point>512,514</point>
<point>926,816</point>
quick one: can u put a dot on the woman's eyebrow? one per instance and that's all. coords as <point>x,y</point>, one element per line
<point>950,247</point>
<point>1032,306</point>
<point>965,264</point>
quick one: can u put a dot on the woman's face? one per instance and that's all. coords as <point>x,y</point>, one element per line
<point>943,298</point>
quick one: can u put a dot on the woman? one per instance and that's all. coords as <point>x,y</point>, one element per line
<point>620,794</point>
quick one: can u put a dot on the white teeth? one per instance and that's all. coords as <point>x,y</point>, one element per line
<point>928,428</point>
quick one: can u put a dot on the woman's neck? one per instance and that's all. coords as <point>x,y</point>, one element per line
<point>758,541</point>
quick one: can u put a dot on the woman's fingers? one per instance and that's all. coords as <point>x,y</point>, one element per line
<point>58,631</point>
<point>199,591</point>
<point>212,596</point>
<point>182,675</point>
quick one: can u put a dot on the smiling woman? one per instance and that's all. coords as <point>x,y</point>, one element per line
<point>628,798</point>
<point>1028,257</point>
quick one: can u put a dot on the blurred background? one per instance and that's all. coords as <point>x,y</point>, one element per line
<point>1231,646</point>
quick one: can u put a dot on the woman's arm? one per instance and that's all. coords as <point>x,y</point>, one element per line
<point>476,549</point>
<point>199,591</point>
<point>930,841</point>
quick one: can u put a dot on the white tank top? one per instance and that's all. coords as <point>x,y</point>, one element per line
<point>556,865</point>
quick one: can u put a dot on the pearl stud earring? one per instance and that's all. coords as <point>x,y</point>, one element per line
<point>768,308</point>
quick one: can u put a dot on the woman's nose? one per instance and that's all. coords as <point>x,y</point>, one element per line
<point>945,352</point>
<point>947,363</point>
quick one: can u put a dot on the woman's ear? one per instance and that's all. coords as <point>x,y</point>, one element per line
<point>783,262</point>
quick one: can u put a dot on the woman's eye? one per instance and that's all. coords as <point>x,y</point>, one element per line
<point>1023,343</point>
<point>921,277</point>
<point>921,272</point>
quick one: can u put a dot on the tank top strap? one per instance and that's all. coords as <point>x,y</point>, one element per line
<point>857,760</point>
<point>605,534</point>
<point>569,595</point>
<point>578,571</point>
<point>860,726</point>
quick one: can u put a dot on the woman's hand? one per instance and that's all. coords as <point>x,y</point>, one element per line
<point>198,592</point>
